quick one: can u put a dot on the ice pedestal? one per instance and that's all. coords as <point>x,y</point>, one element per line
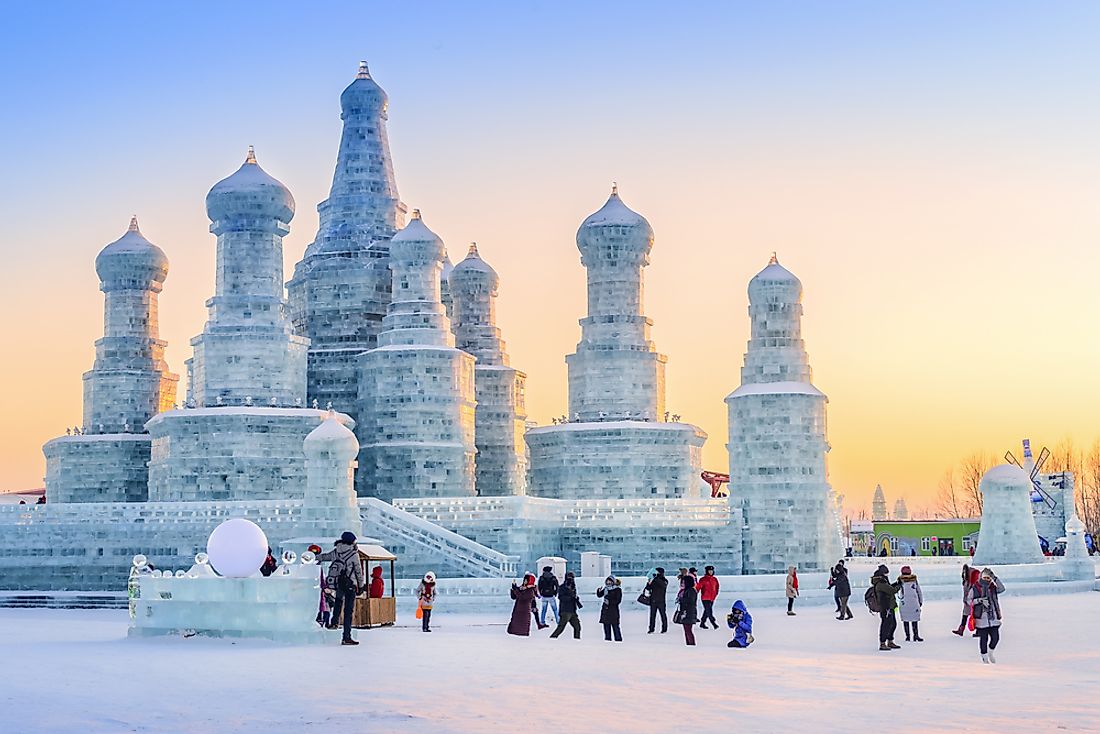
<point>1008,527</point>
<point>282,607</point>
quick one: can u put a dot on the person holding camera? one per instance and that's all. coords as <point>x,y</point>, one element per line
<point>687,613</point>
<point>612,594</point>
<point>657,588</point>
<point>984,598</point>
<point>740,621</point>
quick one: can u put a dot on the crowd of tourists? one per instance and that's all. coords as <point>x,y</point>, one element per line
<point>535,599</point>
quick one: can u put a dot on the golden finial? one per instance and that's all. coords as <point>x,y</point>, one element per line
<point>473,250</point>
<point>251,157</point>
<point>774,260</point>
<point>364,73</point>
<point>134,224</point>
<point>416,214</point>
<point>614,188</point>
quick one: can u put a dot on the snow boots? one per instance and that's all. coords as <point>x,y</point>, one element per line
<point>349,642</point>
<point>987,657</point>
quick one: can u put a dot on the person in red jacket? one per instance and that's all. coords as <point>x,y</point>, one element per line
<point>377,585</point>
<point>708,592</point>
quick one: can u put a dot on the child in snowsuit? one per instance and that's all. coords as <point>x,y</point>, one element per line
<point>740,621</point>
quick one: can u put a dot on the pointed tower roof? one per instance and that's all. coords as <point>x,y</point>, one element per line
<point>775,282</point>
<point>615,222</point>
<point>248,187</point>
<point>473,263</point>
<point>364,92</point>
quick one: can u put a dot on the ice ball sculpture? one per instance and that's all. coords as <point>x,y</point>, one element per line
<point>289,557</point>
<point>237,548</point>
<point>201,558</point>
<point>308,558</point>
<point>140,561</point>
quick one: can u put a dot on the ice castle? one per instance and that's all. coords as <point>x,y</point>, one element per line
<point>377,333</point>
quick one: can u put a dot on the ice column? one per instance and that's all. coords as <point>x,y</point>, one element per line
<point>341,287</point>
<point>777,443</point>
<point>1008,529</point>
<point>416,390</point>
<point>616,372</point>
<point>501,415</point>
<point>330,506</point>
<point>617,441</point>
<point>240,434</point>
<point>247,352</point>
<point>128,384</point>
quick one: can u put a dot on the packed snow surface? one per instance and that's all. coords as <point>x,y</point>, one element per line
<point>77,671</point>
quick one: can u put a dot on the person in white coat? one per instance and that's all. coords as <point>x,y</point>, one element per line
<point>910,600</point>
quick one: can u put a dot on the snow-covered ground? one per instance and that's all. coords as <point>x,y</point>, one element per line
<point>77,671</point>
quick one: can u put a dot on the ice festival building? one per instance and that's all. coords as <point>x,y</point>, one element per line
<point>428,416</point>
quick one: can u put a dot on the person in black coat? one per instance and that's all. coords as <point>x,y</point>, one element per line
<point>612,594</point>
<point>687,612</point>
<point>842,590</point>
<point>568,604</point>
<point>657,588</point>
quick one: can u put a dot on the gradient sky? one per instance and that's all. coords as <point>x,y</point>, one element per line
<point>931,172</point>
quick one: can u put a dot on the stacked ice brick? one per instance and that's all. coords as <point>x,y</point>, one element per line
<point>105,461</point>
<point>1008,528</point>
<point>777,442</point>
<point>416,390</point>
<point>501,414</point>
<point>341,288</point>
<point>240,436</point>
<point>612,444</point>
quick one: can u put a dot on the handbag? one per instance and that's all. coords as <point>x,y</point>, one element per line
<point>643,598</point>
<point>420,610</point>
<point>678,616</point>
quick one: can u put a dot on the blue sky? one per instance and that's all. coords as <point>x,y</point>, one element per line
<point>930,170</point>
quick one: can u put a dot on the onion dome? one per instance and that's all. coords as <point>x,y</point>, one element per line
<point>474,270</point>
<point>614,231</point>
<point>363,94</point>
<point>775,284</point>
<point>331,440</point>
<point>131,261</point>
<point>416,242</point>
<point>251,191</point>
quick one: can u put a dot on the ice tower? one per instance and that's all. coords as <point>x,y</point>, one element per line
<point>878,505</point>
<point>416,390</point>
<point>616,441</point>
<point>128,384</point>
<point>341,287</point>
<point>240,435</point>
<point>501,415</point>
<point>777,442</point>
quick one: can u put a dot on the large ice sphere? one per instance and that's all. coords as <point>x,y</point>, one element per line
<point>237,548</point>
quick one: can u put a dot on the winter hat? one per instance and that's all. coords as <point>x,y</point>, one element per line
<point>347,537</point>
<point>528,579</point>
<point>906,571</point>
<point>882,570</point>
<point>547,569</point>
<point>709,568</point>
<point>314,549</point>
<point>429,577</point>
<point>659,570</point>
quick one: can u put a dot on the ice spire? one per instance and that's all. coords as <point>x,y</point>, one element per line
<point>134,225</point>
<point>251,157</point>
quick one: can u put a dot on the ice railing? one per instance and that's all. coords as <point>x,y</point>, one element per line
<point>656,512</point>
<point>101,514</point>
<point>473,557</point>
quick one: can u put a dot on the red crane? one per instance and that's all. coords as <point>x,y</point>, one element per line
<point>716,480</point>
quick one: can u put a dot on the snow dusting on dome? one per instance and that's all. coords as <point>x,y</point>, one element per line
<point>473,263</point>
<point>132,257</point>
<point>776,280</point>
<point>617,226</point>
<point>332,436</point>
<point>250,190</point>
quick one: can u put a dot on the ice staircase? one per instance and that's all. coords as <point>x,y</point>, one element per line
<point>471,558</point>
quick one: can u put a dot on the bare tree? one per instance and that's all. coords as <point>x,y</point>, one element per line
<point>1088,490</point>
<point>971,471</point>
<point>952,501</point>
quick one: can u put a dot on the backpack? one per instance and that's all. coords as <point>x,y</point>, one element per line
<point>870,598</point>
<point>341,575</point>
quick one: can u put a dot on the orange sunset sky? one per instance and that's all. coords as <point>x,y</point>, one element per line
<point>933,180</point>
